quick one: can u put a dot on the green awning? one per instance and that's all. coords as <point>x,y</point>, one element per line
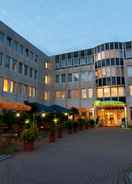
<point>99,103</point>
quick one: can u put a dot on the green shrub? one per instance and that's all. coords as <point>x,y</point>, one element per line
<point>68,124</point>
<point>30,135</point>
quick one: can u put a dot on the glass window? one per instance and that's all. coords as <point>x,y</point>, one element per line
<point>129,71</point>
<point>31,72</point>
<point>84,93</point>
<point>130,90</point>
<point>84,76</point>
<point>121,91</point>
<point>63,78</point>
<point>9,41</point>
<point>69,95</point>
<point>7,61</point>
<point>106,92</point>
<point>90,92</point>
<point>25,70</point>
<point>46,65</point>
<point>15,45</point>
<point>2,35</point>
<point>46,79</point>
<point>114,91</point>
<point>75,93</point>
<point>5,85</point>
<point>35,74</point>
<point>1,58</point>
<point>8,86</point>
<point>60,94</point>
<point>69,77</point>
<point>45,95</point>
<point>75,77</point>
<point>99,92</point>
<point>20,69</point>
<point>14,63</point>
<point>57,78</point>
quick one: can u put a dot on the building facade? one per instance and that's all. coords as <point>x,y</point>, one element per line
<point>22,69</point>
<point>97,81</point>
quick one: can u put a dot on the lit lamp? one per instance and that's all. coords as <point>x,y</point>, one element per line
<point>18,115</point>
<point>27,121</point>
<point>43,115</point>
<point>55,120</point>
<point>66,114</point>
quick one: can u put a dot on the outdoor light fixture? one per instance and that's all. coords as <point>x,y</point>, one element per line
<point>27,121</point>
<point>66,114</point>
<point>43,115</point>
<point>18,115</point>
<point>55,120</point>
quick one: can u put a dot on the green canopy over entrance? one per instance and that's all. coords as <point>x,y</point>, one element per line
<point>99,103</point>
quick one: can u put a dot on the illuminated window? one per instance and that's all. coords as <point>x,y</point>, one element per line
<point>60,94</point>
<point>90,92</point>
<point>46,65</point>
<point>29,91</point>
<point>11,86</point>
<point>99,92</point>
<point>45,95</point>
<point>106,92</point>
<point>46,79</point>
<point>75,93</point>
<point>130,90</point>
<point>33,92</point>
<point>5,85</point>
<point>121,91</point>
<point>114,91</point>
<point>84,93</point>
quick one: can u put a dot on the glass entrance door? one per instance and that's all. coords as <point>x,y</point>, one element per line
<point>110,117</point>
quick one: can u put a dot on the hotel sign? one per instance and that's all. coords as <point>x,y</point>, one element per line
<point>98,103</point>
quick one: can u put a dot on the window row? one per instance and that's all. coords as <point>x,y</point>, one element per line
<point>109,54</point>
<point>74,62</point>
<point>109,62</point>
<point>18,47</point>
<point>19,89</point>
<point>11,63</point>
<point>109,46</point>
<point>75,94</point>
<point>109,71</point>
<point>110,92</point>
<point>110,81</point>
<point>76,54</point>
<point>75,77</point>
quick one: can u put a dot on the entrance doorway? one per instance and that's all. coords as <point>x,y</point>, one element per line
<point>110,116</point>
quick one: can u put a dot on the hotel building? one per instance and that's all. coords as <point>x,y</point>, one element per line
<point>97,81</point>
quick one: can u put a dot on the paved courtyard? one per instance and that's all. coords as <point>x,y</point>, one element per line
<point>96,156</point>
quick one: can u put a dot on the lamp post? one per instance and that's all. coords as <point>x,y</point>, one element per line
<point>125,111</point>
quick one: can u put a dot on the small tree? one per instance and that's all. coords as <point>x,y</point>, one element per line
<point>74,112</point>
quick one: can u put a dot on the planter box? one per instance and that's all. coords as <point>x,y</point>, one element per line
<point>59,133</point>
<point>51,137</point>
<point>28,147</point>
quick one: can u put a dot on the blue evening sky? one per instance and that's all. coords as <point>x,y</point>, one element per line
<point>57,26</point>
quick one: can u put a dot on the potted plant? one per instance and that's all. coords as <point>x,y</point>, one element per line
<point>29,135</point>
<point>68,124</point>
<point>81,123</point>
<point>75,126</point>
<point>92,123</point>
<point>86,124</point>
<point>51,132</point>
